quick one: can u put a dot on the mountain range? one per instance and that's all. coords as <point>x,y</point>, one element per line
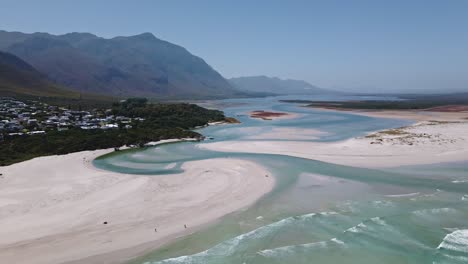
<point>42,64</point>
<point>274,85</point>
<point>140,65</point>
<point>18,78</point>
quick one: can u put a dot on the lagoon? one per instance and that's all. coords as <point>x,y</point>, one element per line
<point>318,212</point>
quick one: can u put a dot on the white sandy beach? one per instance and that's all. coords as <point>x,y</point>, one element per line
<point>287,133</point>
<point>53,209</point>
<point>423,143</point>
<point>416,115</point>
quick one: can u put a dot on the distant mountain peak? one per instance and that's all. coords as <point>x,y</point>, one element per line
<point>275,85</point>
<point>145,36</point>
<point>76,36</point>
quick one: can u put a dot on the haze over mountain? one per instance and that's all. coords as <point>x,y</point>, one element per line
<point>17,77</point>
<point>274,85</point>
<point>140,65</point>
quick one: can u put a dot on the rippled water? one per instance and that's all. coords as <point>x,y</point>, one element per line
<point>319,212</point>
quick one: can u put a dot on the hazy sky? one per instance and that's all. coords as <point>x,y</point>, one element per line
<point>351,45</point>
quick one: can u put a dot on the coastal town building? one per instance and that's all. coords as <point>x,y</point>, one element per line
<point>18,118</point>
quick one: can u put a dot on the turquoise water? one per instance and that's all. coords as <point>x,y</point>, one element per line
<point>318,212</point>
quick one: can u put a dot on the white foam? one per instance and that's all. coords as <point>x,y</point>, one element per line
<point>380,204</point>
<point>459,181</point>
<point>336,240</point>
<point>403,195</point>
<point>170,166</point>
<point>328,213</point>
<point>426,212</point>
<point>233,245</point>
<point>378,220</point>
<point>456,241</point>
<point>356,229</point>
<point>293,249</point>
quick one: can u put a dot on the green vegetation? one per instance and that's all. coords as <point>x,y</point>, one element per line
<point>180,115</point>
<point>371,105</point>
<point>410,102</point>
<point>161,121</point>
<point>389,132</point>
<point>62,142</point>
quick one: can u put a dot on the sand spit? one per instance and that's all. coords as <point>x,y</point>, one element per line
<point>422,143</point>
<point>59,209</point>
<point>417,115</point>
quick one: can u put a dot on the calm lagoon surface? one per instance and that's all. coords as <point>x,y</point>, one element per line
<point>318,212</point>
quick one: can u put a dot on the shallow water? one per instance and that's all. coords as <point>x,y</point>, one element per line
<point>318,212</point>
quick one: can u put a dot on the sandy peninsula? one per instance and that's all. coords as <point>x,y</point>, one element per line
<point>425,142</point>
<point>416,115</point>
<point>60,209</point>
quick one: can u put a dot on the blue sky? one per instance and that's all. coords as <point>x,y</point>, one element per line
<point>373,46</point>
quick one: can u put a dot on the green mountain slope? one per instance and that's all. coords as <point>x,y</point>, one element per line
<point>18,78</point>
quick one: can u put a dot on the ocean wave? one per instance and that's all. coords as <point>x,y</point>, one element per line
<point>336,240</point>
<point>435,211</point>
<point>380,204</point>
<point>378,220</point>
<point>459,181</point>
<point>363,226</point>
<point>241,243</point>
<point>354,207</point>
<point>378,231</point>
<point>455,241</point>
<point>294,249</point>
<point>403,195</point>
<point>356,229</point>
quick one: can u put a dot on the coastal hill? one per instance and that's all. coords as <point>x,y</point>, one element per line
<point>140,65</point>
<point>274,85</point>
<point>18,78</point>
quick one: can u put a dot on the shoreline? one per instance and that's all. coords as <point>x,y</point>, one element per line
<point>416,115</point>
<point>424,142</point>
<point>62,209</point>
